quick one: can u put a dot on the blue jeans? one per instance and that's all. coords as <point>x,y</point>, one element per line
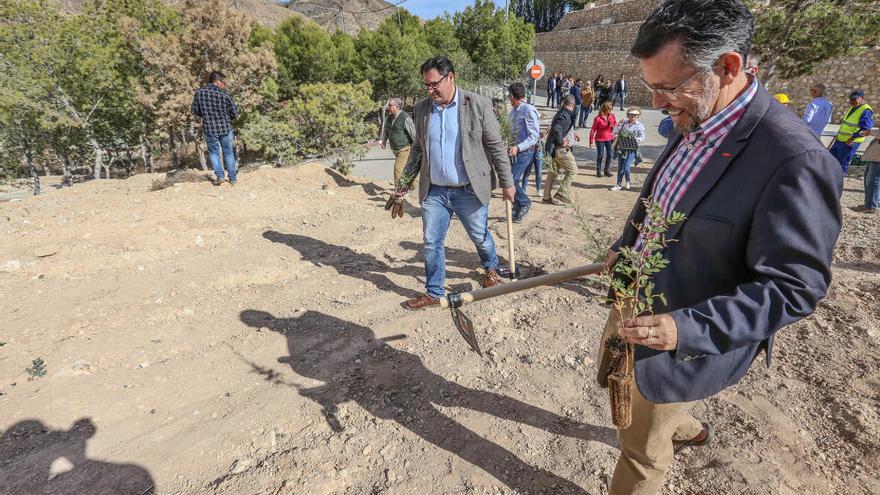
<point>437,209</point>
<point>622,99</point>
<point>624,162</point>
<point>583,115</point>
<point>872,185</point>
<point>520,164</point>
<point>844,153</point>
<point>538,165</point>
<point>603,150</point>
<point>214,145</point>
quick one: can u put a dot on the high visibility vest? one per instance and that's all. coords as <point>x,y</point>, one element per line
<point>850,124</point>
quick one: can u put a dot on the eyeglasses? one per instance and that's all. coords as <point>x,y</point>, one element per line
<point>434,85</point>
<point>671,94</point>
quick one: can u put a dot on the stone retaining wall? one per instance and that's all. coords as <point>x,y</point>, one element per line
<point>596,40</point>
<point>840,77</point>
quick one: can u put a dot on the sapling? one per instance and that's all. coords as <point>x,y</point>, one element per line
<point>633,294</point>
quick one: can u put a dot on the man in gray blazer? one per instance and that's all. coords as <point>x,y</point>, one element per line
<point>761,200</point>
<point>457,151</point>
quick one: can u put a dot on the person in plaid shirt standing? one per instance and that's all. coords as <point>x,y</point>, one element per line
<point>217,110</point>
<point>761,200</point>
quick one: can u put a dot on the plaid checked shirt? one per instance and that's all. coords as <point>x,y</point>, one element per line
<point>216,109</point>
<point>693,153</point>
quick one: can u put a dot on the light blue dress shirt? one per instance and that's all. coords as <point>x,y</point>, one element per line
<point>444,145</point>
<point>818,114</point>
<point>526,126</point>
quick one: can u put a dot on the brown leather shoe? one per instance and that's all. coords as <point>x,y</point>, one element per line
<point>551,201</point>
<point>705,437</point>
<point>491,279</point>
<point>422,302</point>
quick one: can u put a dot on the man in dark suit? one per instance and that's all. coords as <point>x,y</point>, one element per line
<point>621,87</point>
<point>761,198</point>
<point>551,91</point>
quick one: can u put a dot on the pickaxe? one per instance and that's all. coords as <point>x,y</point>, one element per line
<point>456,300</point>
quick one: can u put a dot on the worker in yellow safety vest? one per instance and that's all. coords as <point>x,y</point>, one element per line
<point>854,127</point>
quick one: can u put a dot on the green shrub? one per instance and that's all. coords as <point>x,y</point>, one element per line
<point>321,120</point>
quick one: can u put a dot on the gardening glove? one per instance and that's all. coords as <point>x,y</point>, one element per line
<point>395,204</point>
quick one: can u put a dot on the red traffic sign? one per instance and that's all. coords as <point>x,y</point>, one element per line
<point>536,71</point>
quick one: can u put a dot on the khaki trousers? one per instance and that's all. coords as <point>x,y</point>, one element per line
<point>400,158</point>
<point>566,169</point>
<point>646,449</point>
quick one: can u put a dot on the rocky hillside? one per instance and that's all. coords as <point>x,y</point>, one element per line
<point>350,15</point>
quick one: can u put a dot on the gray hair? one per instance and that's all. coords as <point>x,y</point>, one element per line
<point>397,102</point>
<point>706,30</point>
<point>568,100</point>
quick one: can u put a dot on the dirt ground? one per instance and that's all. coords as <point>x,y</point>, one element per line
<point>250,340</point>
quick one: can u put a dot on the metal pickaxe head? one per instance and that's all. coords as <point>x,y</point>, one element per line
<point>464,324</point>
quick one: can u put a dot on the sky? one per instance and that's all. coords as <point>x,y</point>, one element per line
<point>429,9</point>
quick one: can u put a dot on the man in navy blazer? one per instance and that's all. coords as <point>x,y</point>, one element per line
<point>761,197</point>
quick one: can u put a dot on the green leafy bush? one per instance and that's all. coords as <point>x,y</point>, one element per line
<point>320,120</point>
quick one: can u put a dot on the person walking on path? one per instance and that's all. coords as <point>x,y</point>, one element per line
<point>587,97</point>
<point>566,88</point>
<point>602,133</point>
<point>818,113</point>
<point>457,150</point>
<point>559,141</point>
<point>629,135</point>
<point>525,126</point>
<point>621,87</point>
<point>576,92</point>
<point>558,91</point>
<point>871,157</point>
<point>597,91</point>
<point>551,91</point>
<point>560,138</point>
<point>855,125</point>
<point>215,107</point>
<point>754,252</point>
<point>400,132</point>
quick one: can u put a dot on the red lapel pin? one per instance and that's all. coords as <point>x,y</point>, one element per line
<point>726,155</point>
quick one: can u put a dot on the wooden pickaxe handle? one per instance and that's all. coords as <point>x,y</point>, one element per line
<point>510,252</point>
<point>458,299</point>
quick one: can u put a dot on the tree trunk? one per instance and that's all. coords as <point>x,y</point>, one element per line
<point>99,162</point>
<point>129,167</point>
<point>147,153</point>
<point>65,165</point>
<point>32,168</point>
<point>199,151</point>
<point>172,144</point>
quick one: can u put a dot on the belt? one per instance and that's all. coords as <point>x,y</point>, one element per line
<point>455,187</point>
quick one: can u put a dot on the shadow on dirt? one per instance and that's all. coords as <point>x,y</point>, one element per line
<point>395,385</point>
<point>29,451</point>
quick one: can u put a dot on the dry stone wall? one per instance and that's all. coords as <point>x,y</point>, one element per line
<point>840,76</point>
<point>596,40</point>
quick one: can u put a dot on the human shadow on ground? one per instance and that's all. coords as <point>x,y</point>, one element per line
<point>347,262</point>
<point>395,385</point>
<point>28,450</point>
<point>371,188</point>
